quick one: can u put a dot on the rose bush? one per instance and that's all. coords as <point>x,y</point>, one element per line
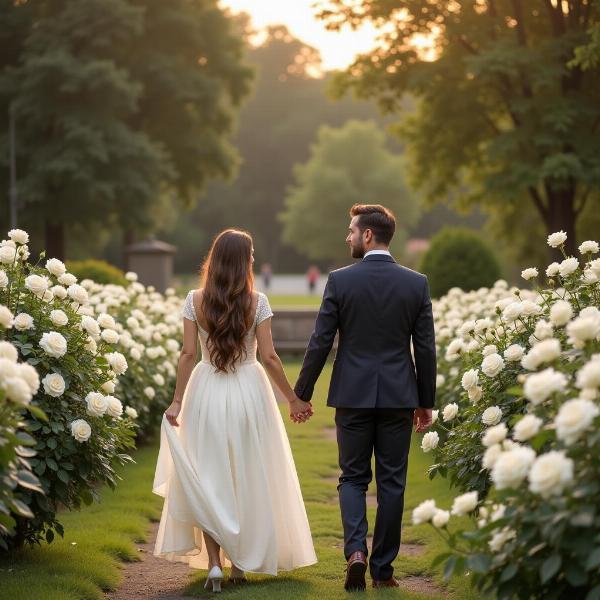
<point>95,347</point>
<point>523,369</point>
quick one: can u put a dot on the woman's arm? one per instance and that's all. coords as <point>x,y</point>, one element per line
<point>300,411</point>
<point>185,366</point>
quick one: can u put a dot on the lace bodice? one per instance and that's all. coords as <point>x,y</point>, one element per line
<point>263,311</point>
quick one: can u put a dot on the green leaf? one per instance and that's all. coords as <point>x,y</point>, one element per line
<point>550,567</point>
<point>594,593</point>
<point>509,572</point>
<point>449,567</point>
<point>593,560</point>
<point>28,480</point>
<point>37,412</point>
<point>21,508</point>
<point>63,476</point>
<point>479,563</point>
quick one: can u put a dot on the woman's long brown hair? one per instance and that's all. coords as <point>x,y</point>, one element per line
<point>228,282</point>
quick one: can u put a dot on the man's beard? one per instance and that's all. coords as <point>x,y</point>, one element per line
<point>358,251</point>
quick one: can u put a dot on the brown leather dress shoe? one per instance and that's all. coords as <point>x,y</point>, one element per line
<point>386,583</point>
<point>355,572</point>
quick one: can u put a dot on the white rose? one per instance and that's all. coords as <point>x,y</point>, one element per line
<point>430,441</point>
<point>450,411</point>
<point>131,412</point>
<point>434,416</point>
<point>531,308</point>
<point>489,349</point>
<point>158,379</point>
<point>491,416</point>
<point>574,418</point>
<point>492,365</point>
<point>106,321</point>
<point>584,328</point>
<point>8,368</point>
<point>23,321</point>
<point>67,279</point>
<point>56,267</point>
<point>110,336</point>
<point>514,353</point>
<point>3,279</point>
<point>513,311</point>
<point>552,269</point>
<point>7,255</point>
<point>117,362</point>
<point>561,313</point>
<point>557,239</point>
<point>465,504</point>
<point>510,468</point>
<point>544,351</point>
<point>90,325</point>
<point>490,456</point>
<point>59,318</point>
<point>18,236</point>
<point>470,379</point>
<point>568,266</point>
<point>36,284</point>
<point>8,351</point>
<point>540,386</point>
<point>135,354</point>
<point>475,394</point>
<point>77,293</point>
<point>500,538</point>
<point>81,430</point>
<point>424,512</point>
<point>589,247</point>
<point>97,404</point>
<point>6,317</point>
<point>550,474</point>
<point>149,392</point>
<point>53,344</point>
<point>17,390</point>
<point>595,267</point>
<point>59,291</point>
<point>23,253</point>
<point>543,330</point>
<point>131,276</point>
<point>54,385</point>
<point>115,408</point>
<point>30,376</point>
<point>530,273</point>
<point>108,387</point>
<point>526,428</point>
<point>494,435</point>
<point>589,375</point>
<point>91,345</point>
<point>439,380</point>
<point>440,518</point>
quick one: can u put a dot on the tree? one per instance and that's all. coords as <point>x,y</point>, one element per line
<point>504,116</point>
<point>347,165</point>
<point>119,104</point>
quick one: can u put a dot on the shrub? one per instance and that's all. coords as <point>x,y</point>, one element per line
<point>517,431</point>
<point>98,271</point>
<point>458,258</point>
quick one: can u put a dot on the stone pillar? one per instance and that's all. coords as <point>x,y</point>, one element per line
<point>152,260</point>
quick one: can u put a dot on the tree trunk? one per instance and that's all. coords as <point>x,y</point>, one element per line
<point>561,216</point>
<point>55,240</point>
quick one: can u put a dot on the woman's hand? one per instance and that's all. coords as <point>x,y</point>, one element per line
<point>172,412</point>
<point>300,411</point>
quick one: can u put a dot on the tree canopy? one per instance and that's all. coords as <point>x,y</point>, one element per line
<point>504,113</point>
<point>347,166</point>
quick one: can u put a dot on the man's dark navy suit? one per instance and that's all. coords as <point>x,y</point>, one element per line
<point>377,306</point>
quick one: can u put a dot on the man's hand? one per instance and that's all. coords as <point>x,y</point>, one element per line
<point>300,411</point>
<point>422,419</point>
<point>172,412</point>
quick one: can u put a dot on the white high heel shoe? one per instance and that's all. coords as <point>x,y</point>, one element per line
<point>215,577</point>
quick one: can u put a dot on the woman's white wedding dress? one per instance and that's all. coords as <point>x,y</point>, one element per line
<point>228,469</point>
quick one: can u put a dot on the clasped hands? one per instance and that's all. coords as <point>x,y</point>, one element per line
<point>300,411</point>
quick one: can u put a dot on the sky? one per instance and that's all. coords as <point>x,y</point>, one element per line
<point>337,49</point>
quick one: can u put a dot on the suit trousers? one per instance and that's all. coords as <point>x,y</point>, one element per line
<point>387,433</point>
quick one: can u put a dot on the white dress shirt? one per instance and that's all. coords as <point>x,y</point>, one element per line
<point>377,252</point>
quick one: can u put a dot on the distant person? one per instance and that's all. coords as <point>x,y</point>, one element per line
<point>225,467</point>
<point>266,273</point>
<point>312,276</point>
<point>378,307</point>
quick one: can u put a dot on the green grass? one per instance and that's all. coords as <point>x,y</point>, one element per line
<point>291,301</point>
<point>105,533</point>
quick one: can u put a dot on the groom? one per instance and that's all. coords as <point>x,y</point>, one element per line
<point>377,306</point>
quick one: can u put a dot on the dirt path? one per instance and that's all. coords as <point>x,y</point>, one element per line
<point>152,578</point>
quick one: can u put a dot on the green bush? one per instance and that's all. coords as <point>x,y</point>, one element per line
<point>459,258</point>
<point>97,270</point>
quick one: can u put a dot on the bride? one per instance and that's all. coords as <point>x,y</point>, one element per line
<point>225,468</point>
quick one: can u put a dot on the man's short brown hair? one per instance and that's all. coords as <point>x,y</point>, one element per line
<point>379,219</point>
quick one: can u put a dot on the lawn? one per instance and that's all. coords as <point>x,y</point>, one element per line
<point>98,537</point>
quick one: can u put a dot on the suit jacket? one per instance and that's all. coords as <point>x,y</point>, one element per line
<point>377,306</point>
